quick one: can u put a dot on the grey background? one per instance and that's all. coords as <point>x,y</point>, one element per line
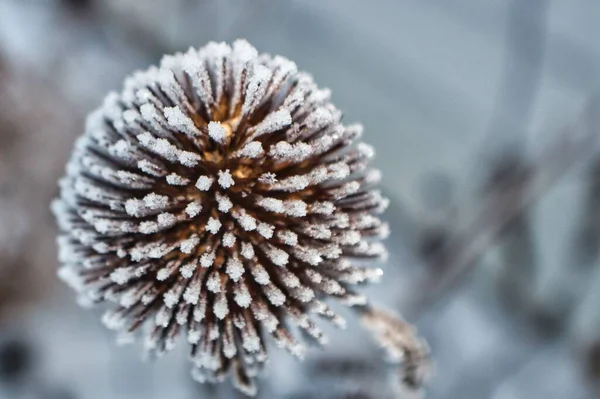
<point>445,89</point>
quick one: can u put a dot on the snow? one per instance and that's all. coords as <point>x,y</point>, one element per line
<point>304,294</point>
<point>192,293</point>
<point>224,204</point>
<point>194,336</point>
<point>130,116</point>
<point>168,83</point>
<point>155,201</point>
<point>289,279</point>
<point>295,208</point>
<point>181,318</point>
<point>220,308</point>
<point>348,237</point>
<point>188,158</point>
<point>213,283</point>
<point>265,230</point>
<point>235,268</point>
<point>293,183</point>
<point>274,295</point>
<point>296,152</point>
<point>251,150</point>
<point>207,259</point>
<point>271,204</point>
<point>187,270</point>
<point>203,183</point>
<point>148,227</point>
<point>171,297</point>
<point>128,299</point>
<point>242,296</point>
<point>243,51</point>
<point>122,275</point>
<point>200,310</point>
<point>247,250</point>
<point>225,179</point>
<point>247,222</point>
<point>150,168</point>
<point>134,207</point>
<point>256,87</point>
<point>346,189</point>
<point>366,150</point>
<point>164,273</point>
<point>373,176</point>
<point>273,122</point>
<point>177,119</point>
<point>193,65</point>
<point>339,171</point>
<point>113,320</point>
<point>217,132</point>
<point>288,237</point>
<point>228,240</point>
<point>318,231</point>
<point>354,131</point>
<point>162,317</point>
<point>268,178</point>
<point>215,54</point>
<point>166,220</point>
<point>308,255</point>
<point>152,116</point>
<point>193,209</point>
<point>319,118</point>
<point>260,274</point>
<point>213,225</point>
<point>120,149</point>
<point>252,343</point>
<point>277,256</point>
<point>188,245</point>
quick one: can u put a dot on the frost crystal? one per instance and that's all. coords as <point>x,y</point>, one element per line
<point>213,225</point>
<point>228,240</point>
<point>225,179</point>
<point>224,203</point>
<point>217,132</point>
<point>203,183</point>
<point>206,260</point>
<point>193,209</point>
<point>219,196</point>
<point>176,180</point>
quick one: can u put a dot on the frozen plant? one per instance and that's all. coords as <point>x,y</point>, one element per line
<point>219,196</point>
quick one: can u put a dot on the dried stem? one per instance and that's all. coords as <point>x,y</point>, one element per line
<point>501,206</point>
<point>402,344</point>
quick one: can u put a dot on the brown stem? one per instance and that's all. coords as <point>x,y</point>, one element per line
<point>402,344</point>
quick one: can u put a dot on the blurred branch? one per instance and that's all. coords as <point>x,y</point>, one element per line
<point>525,41</point>
<point>500,206</point>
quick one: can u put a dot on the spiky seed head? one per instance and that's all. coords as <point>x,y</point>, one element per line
<point>219,196</point>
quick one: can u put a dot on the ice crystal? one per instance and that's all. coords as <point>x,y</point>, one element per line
<point>219,196</point>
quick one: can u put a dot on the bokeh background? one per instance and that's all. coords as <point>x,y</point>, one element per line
<point>485,119</point>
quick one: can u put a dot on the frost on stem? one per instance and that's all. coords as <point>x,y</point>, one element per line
<point>400,341</point>
<point>219,196</point>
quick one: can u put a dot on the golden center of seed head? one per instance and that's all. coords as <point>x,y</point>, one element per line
<point>219,156</point>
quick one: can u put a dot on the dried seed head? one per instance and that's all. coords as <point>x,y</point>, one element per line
<point>219,196</point>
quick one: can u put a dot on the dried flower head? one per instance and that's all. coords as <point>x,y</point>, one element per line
<point>220,196</point>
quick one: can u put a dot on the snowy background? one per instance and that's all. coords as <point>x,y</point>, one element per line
<point>485,119</point>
